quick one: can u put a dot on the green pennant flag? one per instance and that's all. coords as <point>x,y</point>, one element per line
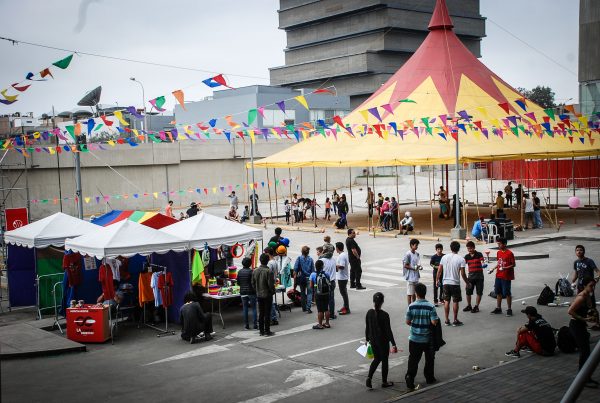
<point>83,148</point>
<point>252,116</point>
<point>160,101</point>
<point>550,113</point>
<point>522,128</point>
<point>71,130</point>
<point>515,131</point>
<point>181,192</point>
<point>276,182</point>
<point>322,131</point>
<point>154,139</point>
<point>197,268</point>
<point>425,121</point>
<point>99,126</point>
<point>63,63</point>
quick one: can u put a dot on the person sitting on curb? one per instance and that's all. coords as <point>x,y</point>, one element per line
<point>407,224</point>
<point>536,335</point>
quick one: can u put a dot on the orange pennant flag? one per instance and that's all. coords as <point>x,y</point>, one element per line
<point>178,94</point>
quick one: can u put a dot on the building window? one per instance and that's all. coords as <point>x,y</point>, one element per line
<point>276,118</point>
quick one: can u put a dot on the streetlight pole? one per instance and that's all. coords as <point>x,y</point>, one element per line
<point>144,106</point>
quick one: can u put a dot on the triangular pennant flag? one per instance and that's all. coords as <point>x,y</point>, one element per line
<point>365,115</point>
<point>63,63</point>
<point>512,119</point>
<point>521,103</point>
<point>302,101</point>
<point>281,105</point>
<point>46,72</point>
<point>261,110</point>
<point>252,114</point>
<point>119,116</point>
<point>179,96</point>
<point>20,88</point>
<point>388,108</point>
<point>106,121</point>
<point>407,101</point>
<point>375,112</point>
<point>10,98</point>
<point>531,115</point>
<point>550,113</point>
<point>505,106</point>
<point>157,103</point>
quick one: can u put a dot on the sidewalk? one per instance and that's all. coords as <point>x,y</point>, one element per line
<point>22,340</point>
<point>529,378</point>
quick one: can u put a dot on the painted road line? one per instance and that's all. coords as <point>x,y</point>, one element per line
<point>386,260</point>
<point>382,269</point>
<point>382,276</point>
<point>304,353</point>
<point>279,333</point>
<point>521,299</point>
<point>376,283</point>
<point>215,348</point>
<point>265,363</point>
<point>312,379</point>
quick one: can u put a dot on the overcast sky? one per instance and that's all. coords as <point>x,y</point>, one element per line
<point>237,38</point>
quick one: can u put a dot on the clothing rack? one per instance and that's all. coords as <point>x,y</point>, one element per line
<point>155,268</point>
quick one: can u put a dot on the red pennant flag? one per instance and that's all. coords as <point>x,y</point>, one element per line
<point>571,139</point>
<point>106,121</point>
<point>505,106</point>
<point>20,88</point>
<point>321,91</point>
<point>478,124</point>
<point>46,72</point>
<point>221,80</point>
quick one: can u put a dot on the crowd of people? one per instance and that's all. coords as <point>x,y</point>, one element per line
<point>519,199</point>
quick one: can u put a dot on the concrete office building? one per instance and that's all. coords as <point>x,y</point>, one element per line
<point>357,45</point>
<point>589,56</point>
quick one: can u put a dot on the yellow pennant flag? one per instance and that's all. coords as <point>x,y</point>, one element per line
<point>251,185</point>
<point>214,190</point>
<point>155,194</point>
<point>251,133</point>
<point>87,200</point>
<point>136,133</point>
<point>9,98</point>
<point>274,132</point>
<point>119,115</point>
<point>301,100</point>
<point>181,136</point>
<point>304,134</point>
<point>52,150</point>
<point>36,135</point>
<point>483,111</point>
<point>188,129</point>
<point>111,143</point>
<point>365,115</point>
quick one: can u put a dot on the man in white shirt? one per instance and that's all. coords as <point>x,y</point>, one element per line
<point>233,200</point>
<point>342,276</point>
<point>411,267</point>
<point>452,268</point>
<point>329,268</point>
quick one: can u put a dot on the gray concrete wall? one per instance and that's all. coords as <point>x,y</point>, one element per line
<point>152,168</point>
<point>589,32</point>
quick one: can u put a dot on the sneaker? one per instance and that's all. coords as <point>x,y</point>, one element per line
<point>513,354</point>
<point>255,327</point>
<point>360,287</point>
<point>333,317</point>
<point>509,312</point>
<point>447,323</point>
<point>467,308</point>
<point>352,285</point>
<point>457,323</point>
<point>369,383</point>
<point>410,383</point>
<point>308,311</point>
<point>496,311</point>
<point>475,309</point>
<point>387,384</point>
<point>208,337</point>
<point>269,334</point>
<point>343,311</point>
<point>247,327</point>
<point>431,381</point>
<point>274,322</point>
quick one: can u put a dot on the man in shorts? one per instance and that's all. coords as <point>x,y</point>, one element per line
<point>474,261</point>
<point>412,265</point>
<point>505,274</point>
<point>321,296</point>
<point>452,268</point>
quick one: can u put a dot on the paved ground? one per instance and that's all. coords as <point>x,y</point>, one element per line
<point>23,340</point>
<point>300,364</point>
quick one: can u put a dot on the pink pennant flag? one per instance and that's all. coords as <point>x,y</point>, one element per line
<point>261,110</point>
<point>388,108</point>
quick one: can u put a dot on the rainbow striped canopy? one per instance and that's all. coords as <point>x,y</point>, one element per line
<point>150,219</point>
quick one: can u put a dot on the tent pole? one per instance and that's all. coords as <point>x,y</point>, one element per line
<point>397,199</point>
<point>415,182</point>
<point>589,180</point>
<point>598,180</point>
<point>290,182</point>
<point>462,174</point>
<point>520,202</point>
<point>573,173</point>
<point>447,182</point>
<point>556,206</point>
<point>491,173</point>
<point>351,203</point>
<point>326,189</point>
<point>275,187</point>
<point>246,187</point>
<point>301,183</point>
<point>269,192</point>
<point>430,204</point>
<point>368,196</point>
<point>314,209</point>
<point>477,190</point>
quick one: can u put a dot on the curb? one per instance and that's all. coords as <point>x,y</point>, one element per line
<point>43,353</point>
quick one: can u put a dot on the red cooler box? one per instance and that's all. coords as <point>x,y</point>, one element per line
<point>88,324</point>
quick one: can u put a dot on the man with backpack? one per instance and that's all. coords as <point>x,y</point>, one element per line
<point>304,267</point>
<point>536,335</point>
<point>319,282</point>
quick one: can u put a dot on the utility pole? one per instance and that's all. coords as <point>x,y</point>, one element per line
<point>78,192</point>
<point>57,162</point>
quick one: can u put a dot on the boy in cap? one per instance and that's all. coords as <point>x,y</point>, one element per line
<point>536,335</point>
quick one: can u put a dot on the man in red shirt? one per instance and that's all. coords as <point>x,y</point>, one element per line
<point>504,275</point>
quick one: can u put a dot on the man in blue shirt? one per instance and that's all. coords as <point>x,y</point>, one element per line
<point>420,316</point>
<point>479,230</point>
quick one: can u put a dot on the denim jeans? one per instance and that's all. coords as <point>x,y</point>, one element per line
<point>537,219</point>
<point>307,295</point>
<point>249,301</point>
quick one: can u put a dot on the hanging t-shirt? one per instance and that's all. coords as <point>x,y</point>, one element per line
<point>155,290</point>
<point>71,264</point>
<point>144,289</point>
<point>115,265</point>
<point>165,286</point>
<point>105,277</point>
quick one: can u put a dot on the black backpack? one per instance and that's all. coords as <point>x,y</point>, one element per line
<point>563,288</point>
<point>546,296</point>
<point>323,284</point>
<point>565,341</point>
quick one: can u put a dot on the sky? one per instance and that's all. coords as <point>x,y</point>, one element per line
<point>240,39</point>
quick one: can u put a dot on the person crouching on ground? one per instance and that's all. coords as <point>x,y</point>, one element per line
<point>537,335</point>
<point>319,282</point>
<point>420,316</point>
<point>378,332</point>
<point>407,224</point>
<point>194,320</point>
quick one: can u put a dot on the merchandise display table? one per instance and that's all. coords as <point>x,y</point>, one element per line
<point>218,298</point>
<point>88,324</point>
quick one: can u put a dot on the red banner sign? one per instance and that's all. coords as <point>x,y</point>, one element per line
<point>15,218</point>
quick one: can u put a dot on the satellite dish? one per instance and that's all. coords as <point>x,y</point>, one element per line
<point>92,98</point>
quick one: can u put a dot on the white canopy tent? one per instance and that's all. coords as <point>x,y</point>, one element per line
<point>125,238</point>
<point>50,231</point>
<point>208,229</point>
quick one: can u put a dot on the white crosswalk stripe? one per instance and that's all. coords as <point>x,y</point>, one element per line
<point>388,273</point>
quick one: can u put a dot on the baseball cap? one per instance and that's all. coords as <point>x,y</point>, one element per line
<point>281,250</point>
<point>530,310</point>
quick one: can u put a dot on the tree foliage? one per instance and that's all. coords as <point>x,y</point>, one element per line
<point>543,96</point>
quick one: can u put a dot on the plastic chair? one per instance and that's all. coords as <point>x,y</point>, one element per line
<point>492,233</point>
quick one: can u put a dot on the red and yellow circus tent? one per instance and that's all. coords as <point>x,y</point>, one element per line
<point>443,92</point>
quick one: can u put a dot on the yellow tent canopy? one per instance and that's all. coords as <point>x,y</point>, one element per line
<point>441,93</point>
